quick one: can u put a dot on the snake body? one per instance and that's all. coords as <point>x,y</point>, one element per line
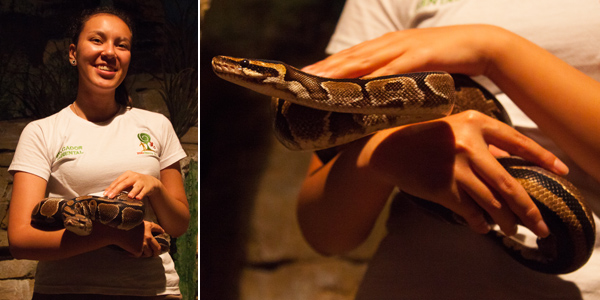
<point>312,113</point>
<point>77,215</point>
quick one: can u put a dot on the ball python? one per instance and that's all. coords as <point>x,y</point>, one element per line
<point>77,215</point>
<point>314,113</point>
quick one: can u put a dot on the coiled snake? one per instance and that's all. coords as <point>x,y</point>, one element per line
<point>77,214</point>
<point>312,113</point>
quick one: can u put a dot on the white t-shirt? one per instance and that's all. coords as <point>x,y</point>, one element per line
<point>78,157</point>
<point>425,258</point>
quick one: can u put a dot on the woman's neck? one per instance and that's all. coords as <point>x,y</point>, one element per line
<point>95,107</point>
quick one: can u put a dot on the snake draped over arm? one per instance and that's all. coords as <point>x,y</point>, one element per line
<point>313,113</point>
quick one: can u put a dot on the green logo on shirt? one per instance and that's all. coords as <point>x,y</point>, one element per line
<point>146,143</point>
<point>69,151</point>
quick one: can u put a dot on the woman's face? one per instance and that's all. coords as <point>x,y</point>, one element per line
<point>102,52</point>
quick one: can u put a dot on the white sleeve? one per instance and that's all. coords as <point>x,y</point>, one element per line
<point>32,154</point>
<point>171,149</point>
<point>363,20</point>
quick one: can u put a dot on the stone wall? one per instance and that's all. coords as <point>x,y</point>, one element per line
<point>16,276</point>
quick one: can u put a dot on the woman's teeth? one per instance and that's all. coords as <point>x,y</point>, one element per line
<point>105,68</point>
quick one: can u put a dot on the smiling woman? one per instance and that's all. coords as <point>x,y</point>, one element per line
<point>102,54</point>
<point>93,147</point>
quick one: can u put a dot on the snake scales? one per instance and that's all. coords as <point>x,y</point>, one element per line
<point>312,113</point>
<point>77,214</point>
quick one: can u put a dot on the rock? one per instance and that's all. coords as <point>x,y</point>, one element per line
<point>320,279</point>
<point>10,132</point>
<point>16,289</point>
<point>11,269</point>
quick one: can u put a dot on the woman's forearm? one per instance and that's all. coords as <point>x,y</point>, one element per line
<point>562,101</point>
<point>170,202</point>
<point>30,243</point>
<point>340,201</point>
<point>27,242</point>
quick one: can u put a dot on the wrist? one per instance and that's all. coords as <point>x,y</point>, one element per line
<point>498,45</point>
<point>106,235</point>
<point>373,162</point>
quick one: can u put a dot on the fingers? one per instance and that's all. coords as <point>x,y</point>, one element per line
<point>516,143</point>
<point>514,198</point>
<point>453,49</point>
<point>501,195</point>
<point>487,200</point>
<point>153,243</point>
<point>121,183</point>
<point>482,185</point>
<point>359,60</point>
<point>497,152</point>
<point>409,62</point>
<point>471,212</point>
<point>150,246</point>
<point>139,185</point>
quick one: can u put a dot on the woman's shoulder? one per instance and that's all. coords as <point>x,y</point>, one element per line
<point>51,120</point>
<point>140,112</point>
<point>146,118</point>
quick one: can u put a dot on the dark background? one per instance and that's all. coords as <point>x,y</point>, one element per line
<point>235,124</point>
<point>36,81</point>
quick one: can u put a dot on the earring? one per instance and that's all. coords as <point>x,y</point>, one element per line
<point>74,62</point>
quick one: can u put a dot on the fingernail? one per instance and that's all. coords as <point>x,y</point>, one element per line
<point>560,167</point>
<point>542,229</point>
<point>496,204</point>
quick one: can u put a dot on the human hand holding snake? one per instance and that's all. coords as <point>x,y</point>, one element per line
<point>139,185</point>
<point>448,162</point>
<point>456,49</point>
<point>412,50</point>
<point>312,113</point>
<point>140,241</point>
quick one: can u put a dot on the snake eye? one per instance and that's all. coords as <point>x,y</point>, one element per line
<point>244,63</point>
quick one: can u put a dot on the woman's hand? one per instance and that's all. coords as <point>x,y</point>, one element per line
<point>465,177</point>
<point>448,161</point>
<point>140,241</point>
<point>166,196</point>
<point>141,185</point>
<point>454,49</point>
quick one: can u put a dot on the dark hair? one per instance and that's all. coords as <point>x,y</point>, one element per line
<point>121,95</point>
<point>77,26</point>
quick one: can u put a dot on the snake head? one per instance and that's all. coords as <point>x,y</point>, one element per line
<point>78,224</point>
<point>248,69</point>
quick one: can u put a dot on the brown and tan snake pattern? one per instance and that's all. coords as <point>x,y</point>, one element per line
<point>312,113</point>
<point>78,214</point>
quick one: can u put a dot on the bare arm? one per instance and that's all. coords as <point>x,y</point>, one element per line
<point>340,201</point>
<point>27,242</point>
<point>445,161</point>
<point>472,181</point>
<point>561,100</point>
<point>167,196</point>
